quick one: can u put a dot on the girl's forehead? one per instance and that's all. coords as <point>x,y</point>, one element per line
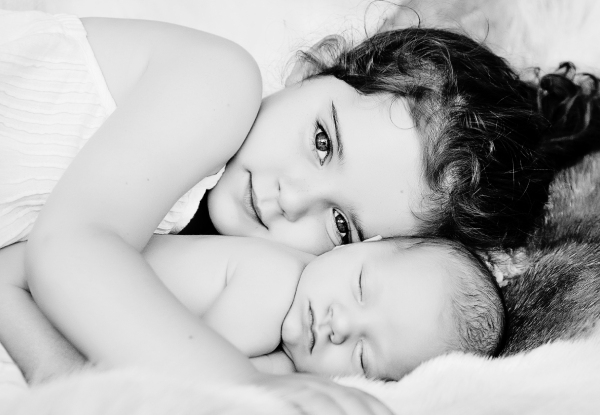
<point>383,167</point>
<point>379,113</point>
<point>329,87</point>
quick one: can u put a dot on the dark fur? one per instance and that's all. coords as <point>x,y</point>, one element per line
<point>558,295</point>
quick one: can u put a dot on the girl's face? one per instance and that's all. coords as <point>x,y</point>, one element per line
<point>323,166</point>
<point>369,309</point>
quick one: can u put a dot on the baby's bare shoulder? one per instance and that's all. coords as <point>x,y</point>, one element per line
<point>266,262</point>
<point>261,284</point>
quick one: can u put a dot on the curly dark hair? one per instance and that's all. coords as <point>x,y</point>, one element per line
<point>491,140</point>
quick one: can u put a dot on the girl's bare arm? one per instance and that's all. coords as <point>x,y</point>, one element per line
<point>194,268</point>
<point>194,271</point>
<point>276,363</point>
<point>185,116</point>
<point>37,348</point>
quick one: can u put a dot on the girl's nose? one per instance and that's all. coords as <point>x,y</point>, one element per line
<point>299,196</point>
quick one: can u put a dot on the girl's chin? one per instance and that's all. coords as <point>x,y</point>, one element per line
<point>242,227</point>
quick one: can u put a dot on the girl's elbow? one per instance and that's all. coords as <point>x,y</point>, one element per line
<point>46,255</point>
<point>39,253</point>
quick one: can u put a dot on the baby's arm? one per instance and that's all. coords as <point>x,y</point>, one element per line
<point>260,290</point>
<point>241,287</point>
<point>37,348</point>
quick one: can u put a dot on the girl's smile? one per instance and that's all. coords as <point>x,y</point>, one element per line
<point>251,204</point>
<point>323,166</point>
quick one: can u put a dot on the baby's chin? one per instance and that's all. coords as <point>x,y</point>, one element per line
<point>292,335</point>
<point>299,362</point>
<point>289,332</point>
<point>296,358</point>
<point>293,349</point>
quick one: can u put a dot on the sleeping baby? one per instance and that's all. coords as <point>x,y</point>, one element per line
<point>376,308</point>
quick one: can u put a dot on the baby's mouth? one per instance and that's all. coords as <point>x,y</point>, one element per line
<point>311,329</point>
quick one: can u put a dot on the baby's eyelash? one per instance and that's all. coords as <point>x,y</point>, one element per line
<point>360,289</point>
<point>362,363</point>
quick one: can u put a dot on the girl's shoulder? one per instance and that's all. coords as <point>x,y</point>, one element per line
<point>124,48</point>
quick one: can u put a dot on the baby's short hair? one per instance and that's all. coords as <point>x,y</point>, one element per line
<point>477,308</point>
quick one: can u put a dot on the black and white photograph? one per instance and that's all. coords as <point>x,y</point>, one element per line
<point>279,207</point>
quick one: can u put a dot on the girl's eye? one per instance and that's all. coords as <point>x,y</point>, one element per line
<point>342,227</point>
<point>322,144</point>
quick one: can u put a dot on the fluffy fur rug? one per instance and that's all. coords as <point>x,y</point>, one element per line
<point>532,33</point>
<point>551,363</point>
<point>554,379</point>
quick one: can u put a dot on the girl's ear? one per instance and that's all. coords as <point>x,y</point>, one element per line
<point>324,54</point>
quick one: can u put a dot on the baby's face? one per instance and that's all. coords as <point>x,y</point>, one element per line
<point>369,309</point>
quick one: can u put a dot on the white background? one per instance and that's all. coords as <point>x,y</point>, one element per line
<point>271,30</point>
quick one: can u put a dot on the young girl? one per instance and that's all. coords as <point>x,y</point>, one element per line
<point>411,132</point>
<point>375,309</point>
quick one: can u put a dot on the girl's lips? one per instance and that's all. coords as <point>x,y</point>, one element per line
<point>251,204</point>
<point>255,206</point>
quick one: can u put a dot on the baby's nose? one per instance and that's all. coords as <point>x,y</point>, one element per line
<point>342,325</point>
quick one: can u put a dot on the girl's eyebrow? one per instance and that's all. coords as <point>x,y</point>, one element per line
<point>338,133</point>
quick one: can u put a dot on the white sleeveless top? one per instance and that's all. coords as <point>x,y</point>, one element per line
<point>53,98</point>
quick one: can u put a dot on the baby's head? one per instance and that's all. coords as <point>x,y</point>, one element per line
<point>381,308</point>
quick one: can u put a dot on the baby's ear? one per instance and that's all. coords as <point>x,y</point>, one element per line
<point>325,53</point>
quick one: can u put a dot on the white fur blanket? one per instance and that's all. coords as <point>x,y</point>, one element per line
<point>559,378</point>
